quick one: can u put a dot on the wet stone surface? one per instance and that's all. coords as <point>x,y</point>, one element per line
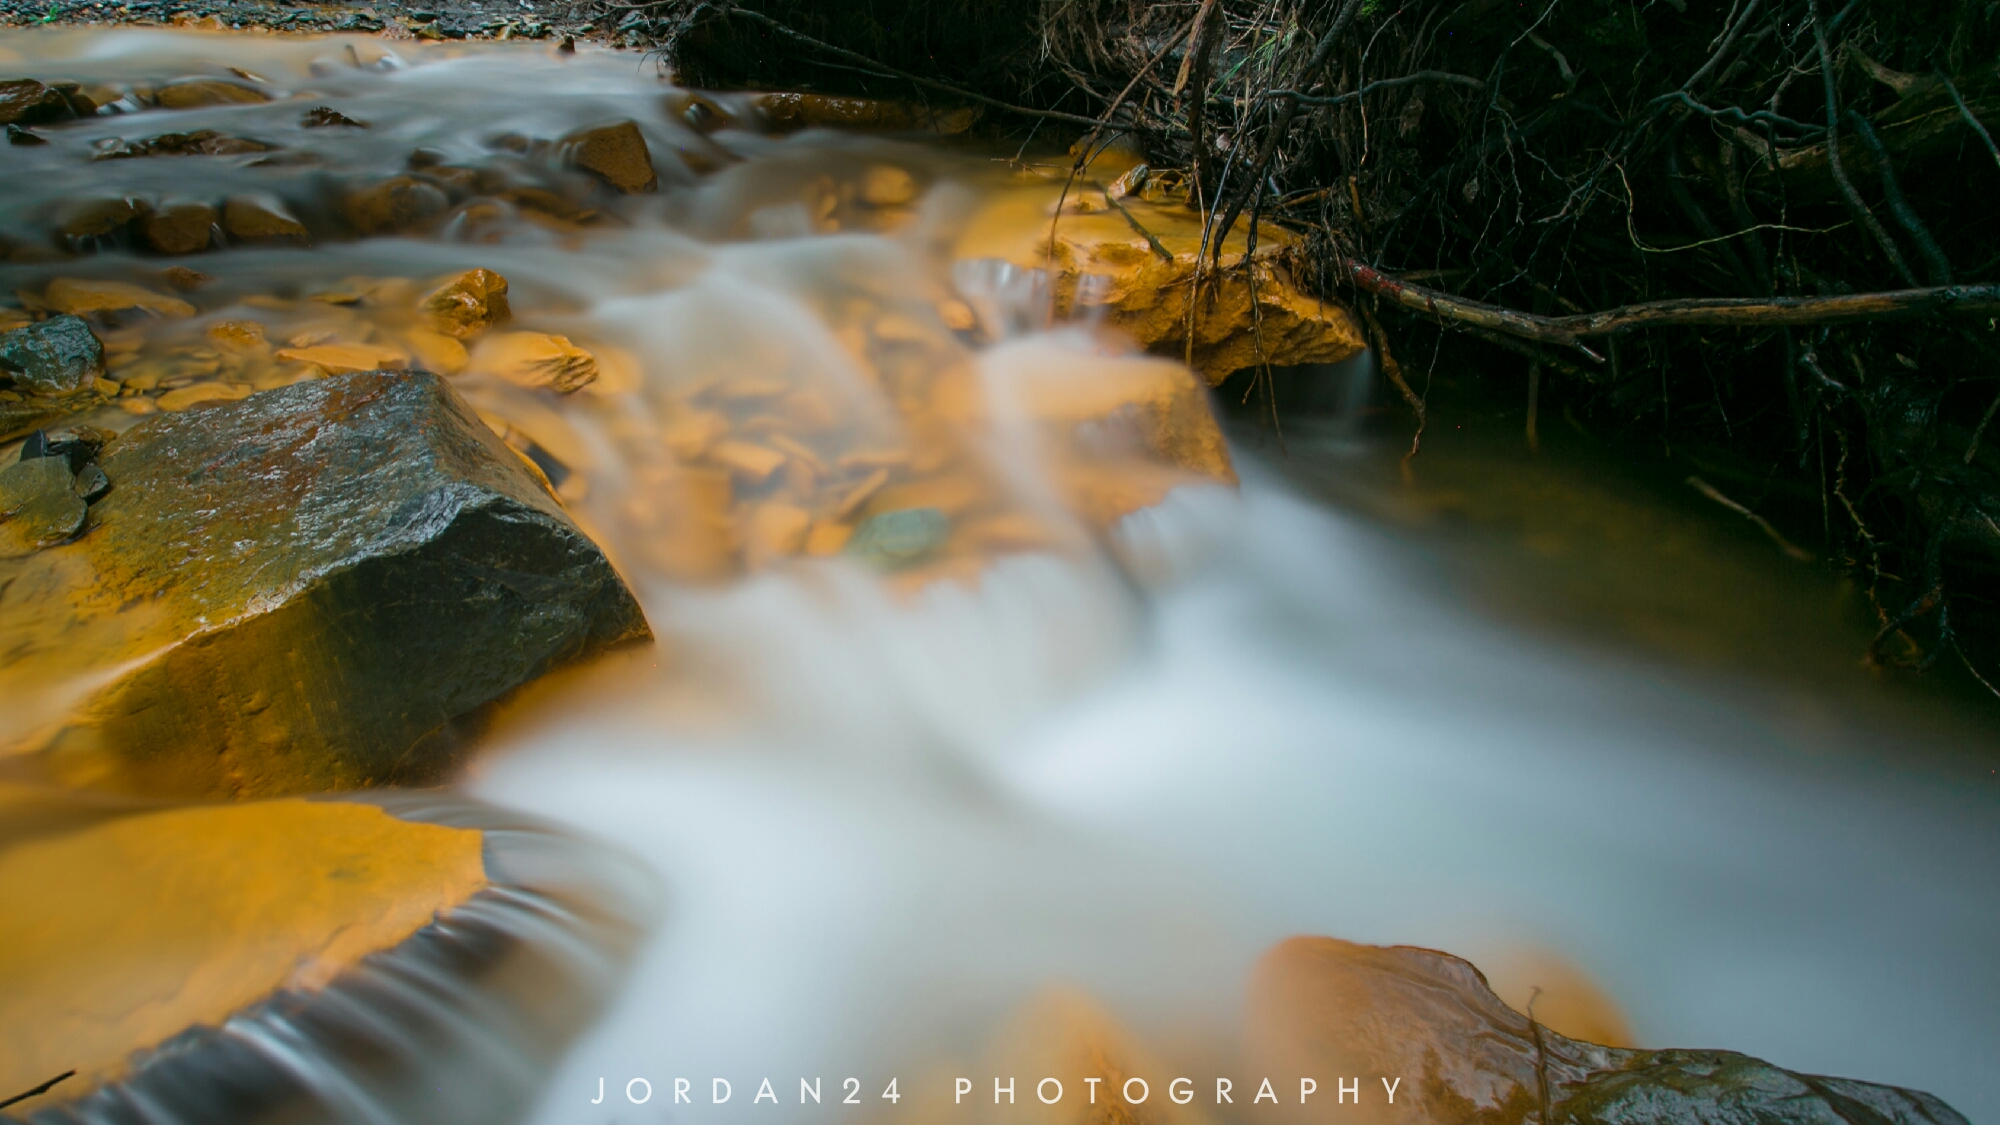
<point>1466,1058</point>
<point>59,356</point>
<point>377,564</point>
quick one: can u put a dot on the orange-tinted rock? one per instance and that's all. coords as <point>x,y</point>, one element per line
<point>347,359</point>
<point>299,592</point>
<point>143,926</point>
<point>401,203</point>
<point>84,296</point>
<point>178,226</point>
<point>467,304</point>
<point>535,359</point>
<point>261,217</point>
<point>194,93</point>
<point>1427,1022</point>
<point>614,153</point>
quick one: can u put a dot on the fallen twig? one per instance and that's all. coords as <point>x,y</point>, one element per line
<point>39,1090</point>
<point>1720,312</point>
<point>1792,549</point>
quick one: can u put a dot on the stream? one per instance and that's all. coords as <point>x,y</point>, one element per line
<point>1110,757</point>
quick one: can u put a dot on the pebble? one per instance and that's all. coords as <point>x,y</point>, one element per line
<point>899,538</point>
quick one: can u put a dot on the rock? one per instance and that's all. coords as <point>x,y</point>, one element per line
<point>185,279</point>
<point>467,304</point>
<point>202,142</point>
<point>260,218</point>
<point>16,135</point>
<point>180,398</point>
<point>401,203</point>
<point>82,296</point>
<point>1324,1006</point>
<point>91,484</point>
<point>885,185</point>
<point>244,337</point>
<point>1088,405</point>
<point>194,93</point>
<point>347,359</point>
<point>75,446</point>
<point>59,356</point>
<point>437,352</point>
<point>534,359</point>
<point>376,563</point>
<point>37,506</point>
<point>145,925</point>
<point>94,218</point>
<point>24,101</point>
<point>178,226</point>
<point>326,117</point>
<point>774,530</point>
<point>1135,266</point>
<point>614,153</point>
<point>899,538</point>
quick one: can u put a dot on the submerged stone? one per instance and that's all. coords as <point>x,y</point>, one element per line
<point>178,226</point>
<point>467,304</point>
<point>900,538</point>
<point>1324,1006</point>
<point>59,356</point>
<point>194,93</point>
<point>301,591</point>
<point>260,216</point>
<point>616,154</point>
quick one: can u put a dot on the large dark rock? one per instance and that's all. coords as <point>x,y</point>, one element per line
<point>24,101</point>
<point>1326,1007</point>
<point>300,591</point>
<point>59,356</point>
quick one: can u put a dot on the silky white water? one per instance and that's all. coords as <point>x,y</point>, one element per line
<point>885,815</point>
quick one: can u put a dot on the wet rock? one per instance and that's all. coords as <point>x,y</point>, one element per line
<point>195,93</point>
<point>59,356</point>
<point>94,218</point>
<point>178,226</point>
<point>38,507</point>
<point>347,359</point>
<point>181,398</point>
<point>185,279</point>
<point>885,185</point>
<point>614,153</point>
<point>147,925</point>
<point>326,117</point>
<point>85,296</point>
<point>535,359</point>
<point>91,484</point>
<point>376,563</point>
<point>899,538</point>
<point>24,101</point>
<point>467,304</point>
<point>1324,1006</point>
<point>261,217</point>
<point>201,142</point>
<point>401,203</point>
<point>75,446</point>
<point>1135,264</point>
<point>16,135</point>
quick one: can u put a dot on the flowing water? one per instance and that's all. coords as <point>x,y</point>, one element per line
<point>1125,729</point>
